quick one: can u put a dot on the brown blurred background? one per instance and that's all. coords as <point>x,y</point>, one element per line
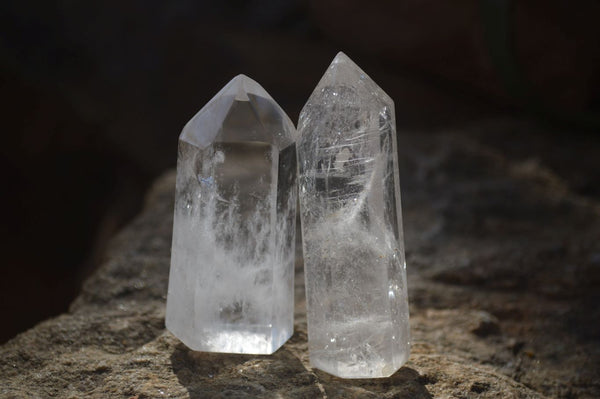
<point>94,95</point>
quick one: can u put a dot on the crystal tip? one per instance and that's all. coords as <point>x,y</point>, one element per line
<point>343,62</point>
<point>340,57</point>
<point>241,85</point>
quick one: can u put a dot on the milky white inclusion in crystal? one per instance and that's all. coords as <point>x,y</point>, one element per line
<point>232,260</point>
<point>351,226</point>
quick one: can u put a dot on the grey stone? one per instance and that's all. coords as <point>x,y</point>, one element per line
<point>502,286</point>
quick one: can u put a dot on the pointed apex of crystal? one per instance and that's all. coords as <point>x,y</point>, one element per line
<point>241,86</point>
<point>344,82</point>
<point>226,117</point>
<point>341,57</point>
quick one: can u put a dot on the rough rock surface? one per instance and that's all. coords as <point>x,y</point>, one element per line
<point>503,264</point>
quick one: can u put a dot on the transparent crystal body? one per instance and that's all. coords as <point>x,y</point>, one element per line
<point>357,307</point>
<point>232,259</point>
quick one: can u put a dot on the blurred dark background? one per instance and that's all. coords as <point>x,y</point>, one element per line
<point>94,95</point>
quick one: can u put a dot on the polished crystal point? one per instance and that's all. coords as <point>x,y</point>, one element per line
<point>232,260</point>
<point>357,307</point>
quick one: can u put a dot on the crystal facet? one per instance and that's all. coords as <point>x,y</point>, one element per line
<point>232,262</point>
<point>357,307</point>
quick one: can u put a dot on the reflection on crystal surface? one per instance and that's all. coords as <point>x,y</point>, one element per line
<point>232,262</point>
<point>351,226</point>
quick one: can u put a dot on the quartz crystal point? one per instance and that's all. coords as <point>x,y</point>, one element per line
<point>232,263</point>
<point>357,307</point>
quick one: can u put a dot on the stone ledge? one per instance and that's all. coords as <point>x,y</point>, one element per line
<point>503,265</point>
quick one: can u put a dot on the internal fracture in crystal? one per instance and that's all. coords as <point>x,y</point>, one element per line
<point>232,260</point>
<point>357,307</point>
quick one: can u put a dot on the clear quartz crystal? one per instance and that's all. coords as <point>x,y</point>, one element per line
<point>357,307</point>
<point>232,260</point>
